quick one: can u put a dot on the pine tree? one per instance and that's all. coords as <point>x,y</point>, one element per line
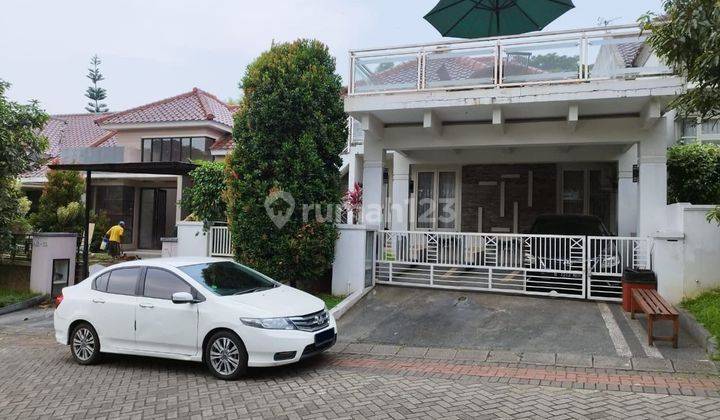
<point>95,93</point>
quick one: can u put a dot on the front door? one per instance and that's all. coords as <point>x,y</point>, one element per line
<point>153,202</point>
<point>436,200</point>
<point>164,326</point>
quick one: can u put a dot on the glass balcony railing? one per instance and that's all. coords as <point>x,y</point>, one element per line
<point>539,58</point>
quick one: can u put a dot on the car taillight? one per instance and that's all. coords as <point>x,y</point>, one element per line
<point>58,300</point>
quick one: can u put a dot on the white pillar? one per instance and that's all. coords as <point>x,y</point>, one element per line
<point>627,203</point>
<point>400,192</point>
<point>652,188</point>
<point>372,182</point>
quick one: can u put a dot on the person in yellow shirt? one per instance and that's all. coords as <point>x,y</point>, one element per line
<point>114,237</point>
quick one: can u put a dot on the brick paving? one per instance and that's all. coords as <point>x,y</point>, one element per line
<point>39,379</point>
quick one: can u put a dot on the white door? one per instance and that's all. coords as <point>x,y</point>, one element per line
<point>113,308</point>
<point>436,200</point>
<point>164,326</point>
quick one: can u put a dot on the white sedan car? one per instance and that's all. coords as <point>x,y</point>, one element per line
<point>202,309</point>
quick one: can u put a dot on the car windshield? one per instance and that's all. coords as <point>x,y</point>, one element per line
<point>569,226</point>
<point>226,278</point>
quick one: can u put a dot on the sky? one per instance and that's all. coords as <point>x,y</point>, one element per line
<point>154,49</point>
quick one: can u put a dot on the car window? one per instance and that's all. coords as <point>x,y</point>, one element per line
<point>229,278</point>
<point>161,284</point>
<point>123,281</point>
<point>101,282</point>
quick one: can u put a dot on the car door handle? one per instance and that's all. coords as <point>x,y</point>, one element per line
<point>145,305</point>
<point>98,301</point>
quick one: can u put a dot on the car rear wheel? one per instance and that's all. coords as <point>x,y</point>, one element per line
<point>85,344</point>
<point>225,356</point>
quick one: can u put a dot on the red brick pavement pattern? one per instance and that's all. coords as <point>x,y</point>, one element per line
<point>595,378</point>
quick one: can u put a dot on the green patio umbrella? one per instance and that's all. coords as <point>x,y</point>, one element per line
<point>484,18</point>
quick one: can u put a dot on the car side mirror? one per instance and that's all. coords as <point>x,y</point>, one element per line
<point>182,297</point>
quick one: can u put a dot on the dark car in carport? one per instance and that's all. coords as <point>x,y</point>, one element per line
<point>560,257</point>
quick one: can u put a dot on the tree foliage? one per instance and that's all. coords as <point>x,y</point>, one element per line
<point>60,208</point>
<point>21,149</point>
<point>288,133</point>
<point>688,40</point>
<point>95,93</point>
<point>553,62</point>
<point>694,173</point>
<point>206,198</point>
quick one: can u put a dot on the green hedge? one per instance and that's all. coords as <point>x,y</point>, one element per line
<point>694,173</point>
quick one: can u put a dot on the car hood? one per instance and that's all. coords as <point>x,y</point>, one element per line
<point>281,301</point>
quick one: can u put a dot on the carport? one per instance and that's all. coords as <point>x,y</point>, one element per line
<point>420,317</point>
<point>147,168</point>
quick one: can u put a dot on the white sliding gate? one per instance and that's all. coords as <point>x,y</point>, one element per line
<point>552,265</point>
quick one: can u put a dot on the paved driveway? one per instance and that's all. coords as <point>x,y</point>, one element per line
<point>40,380</point>
<point>437,318</point>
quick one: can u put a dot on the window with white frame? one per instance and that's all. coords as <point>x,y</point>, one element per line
<point>695,129</point>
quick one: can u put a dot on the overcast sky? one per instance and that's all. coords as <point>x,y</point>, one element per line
<point>152,49</point>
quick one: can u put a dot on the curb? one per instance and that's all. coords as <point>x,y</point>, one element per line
<point>499,357</point>
<point>698,332</point>
<point>347,303</point>
<point>24,305</point>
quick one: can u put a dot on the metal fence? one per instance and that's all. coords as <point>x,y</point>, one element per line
<point>220,242</point>
<point>552,265</point>
<point>540,58</point>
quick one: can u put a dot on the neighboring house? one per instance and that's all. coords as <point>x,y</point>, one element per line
<point>482,136</point>
<point>194,125</point>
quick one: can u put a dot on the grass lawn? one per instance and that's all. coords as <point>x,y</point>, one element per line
<point>8,297</point>
<point>706,309</point>
<point>330,300</point>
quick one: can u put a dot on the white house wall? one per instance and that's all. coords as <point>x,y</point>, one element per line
<point>131,139</point>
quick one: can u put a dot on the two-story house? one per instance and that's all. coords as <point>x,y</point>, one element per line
<point>192,126</point>
<point>460,145</point>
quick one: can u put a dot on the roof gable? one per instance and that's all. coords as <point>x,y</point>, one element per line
<point>196,105</point>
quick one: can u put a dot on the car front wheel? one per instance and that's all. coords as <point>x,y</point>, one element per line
<point>225,356</point>
<point>85,344</point>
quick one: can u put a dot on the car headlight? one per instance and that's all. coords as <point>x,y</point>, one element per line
<point>269,323</point>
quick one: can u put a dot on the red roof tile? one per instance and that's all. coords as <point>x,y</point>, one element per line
<point>223,143</point>
<point>196,105</point>
<point>72,130</point>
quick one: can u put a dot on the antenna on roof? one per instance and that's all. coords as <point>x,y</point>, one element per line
<point>601,21</point>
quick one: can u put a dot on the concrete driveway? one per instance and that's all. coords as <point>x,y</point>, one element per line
<point>437,318</point>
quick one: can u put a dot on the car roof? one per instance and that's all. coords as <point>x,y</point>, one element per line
<point>168,262</point>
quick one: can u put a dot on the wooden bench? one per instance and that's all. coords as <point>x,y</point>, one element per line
<point>656,308</point>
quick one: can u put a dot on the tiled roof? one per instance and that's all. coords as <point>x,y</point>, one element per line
<point>448,68</point>
<point>72,130</point>
<point>224,143</point>
<point>196,105</point>
<point>629,52</point>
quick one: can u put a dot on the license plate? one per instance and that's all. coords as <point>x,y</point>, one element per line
<point>325,336</point>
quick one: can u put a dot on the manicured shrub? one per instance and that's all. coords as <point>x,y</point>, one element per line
<point>694,173</point>
<point>289,132</point>
<point>205,200</point>
<point>61,208</point>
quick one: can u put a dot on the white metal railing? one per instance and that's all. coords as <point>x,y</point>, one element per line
<point>220,242</point>
<point>530,264</point>
<point>556,265</point>
<point>607,258</point>
<point>541,57</point>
